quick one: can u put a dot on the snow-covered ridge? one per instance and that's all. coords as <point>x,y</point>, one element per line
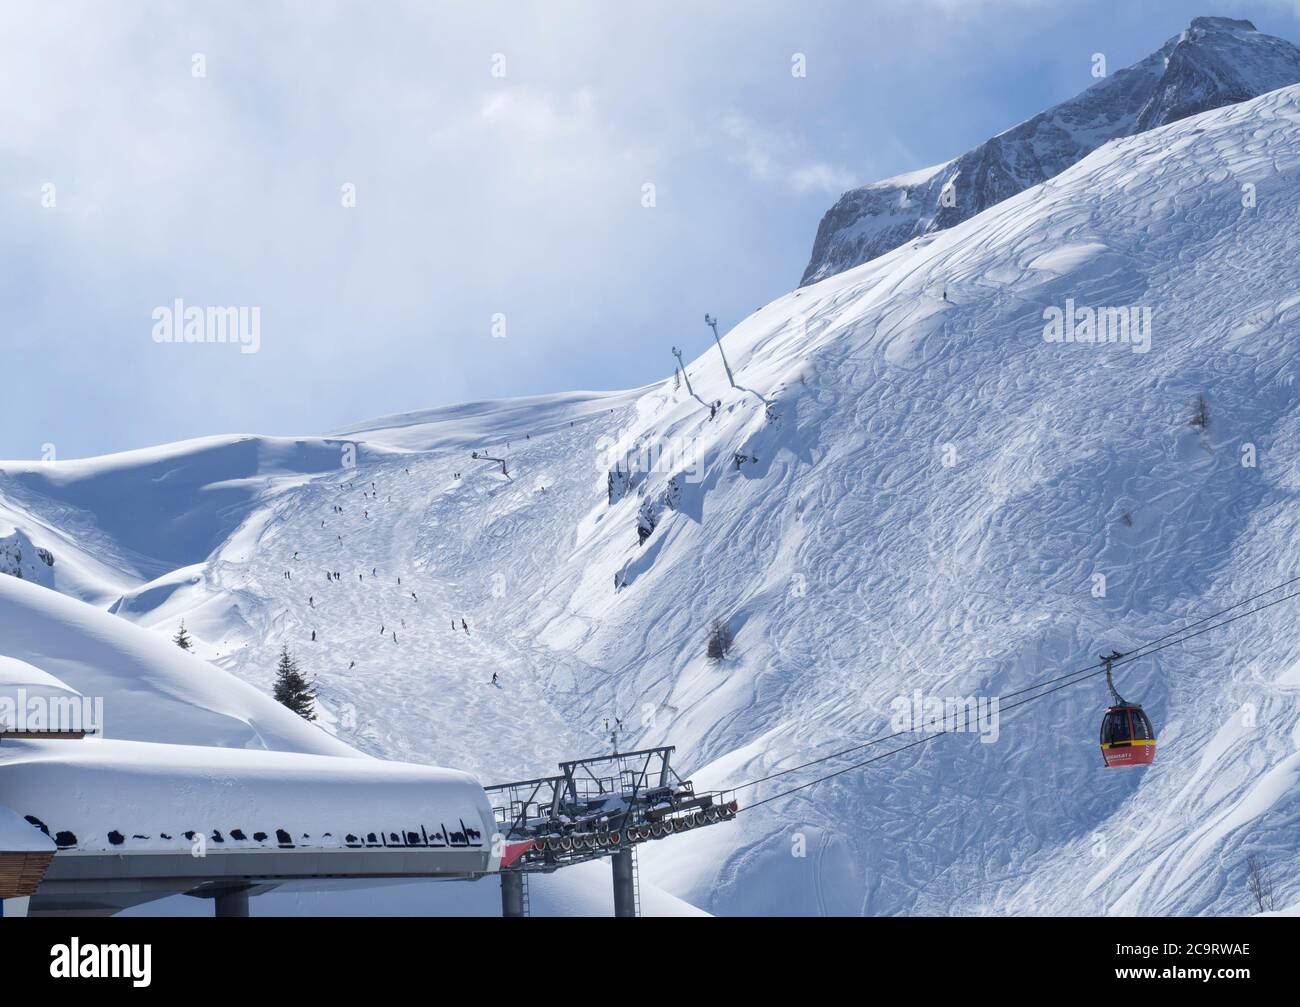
<point>1214,62</point>
<point>152,690</point>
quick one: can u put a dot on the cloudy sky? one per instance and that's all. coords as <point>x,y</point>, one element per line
<point>499,154</point>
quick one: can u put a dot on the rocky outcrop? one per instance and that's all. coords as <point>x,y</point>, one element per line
<point>20,558</point>
<point>1215,62</point>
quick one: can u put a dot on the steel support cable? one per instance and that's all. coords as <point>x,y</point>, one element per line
<point>1074,678</point>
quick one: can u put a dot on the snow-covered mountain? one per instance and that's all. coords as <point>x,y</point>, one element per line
<point>1215,62</point>
<point>901,492</point>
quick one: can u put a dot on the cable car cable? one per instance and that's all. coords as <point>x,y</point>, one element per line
<point>1023,702</point>
<point>1088,672</point>
<point>1142,650</point>
<point>1081,675</point>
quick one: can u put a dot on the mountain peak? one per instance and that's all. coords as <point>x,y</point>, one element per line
<point>1231,23</point>
<point>1217,61</point>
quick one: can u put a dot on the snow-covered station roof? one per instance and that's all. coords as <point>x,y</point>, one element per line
<point>99,795</point>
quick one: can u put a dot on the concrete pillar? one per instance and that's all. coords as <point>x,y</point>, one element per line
<point>624,883</point>
<point>232,903</point>
<point>512,894</point>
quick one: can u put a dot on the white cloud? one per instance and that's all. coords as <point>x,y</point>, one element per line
<point>475,193</point>
<point>779,159</point>
<point>540,112</point>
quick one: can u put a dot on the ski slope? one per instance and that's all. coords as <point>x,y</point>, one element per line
<point>926,493</point>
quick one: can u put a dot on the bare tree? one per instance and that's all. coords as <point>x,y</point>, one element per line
<point>1261,884</point>
<point>720,640</point>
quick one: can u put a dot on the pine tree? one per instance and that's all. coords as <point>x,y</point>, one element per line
<point>182,638</point>
<point>292,689</point>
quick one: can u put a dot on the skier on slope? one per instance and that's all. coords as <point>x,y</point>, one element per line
<point>465,626</point>
<point>494,678</point>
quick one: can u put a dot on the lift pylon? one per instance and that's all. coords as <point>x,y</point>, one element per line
<point>598,807</point>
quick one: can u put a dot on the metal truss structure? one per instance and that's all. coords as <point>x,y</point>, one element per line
<point>598,807</point>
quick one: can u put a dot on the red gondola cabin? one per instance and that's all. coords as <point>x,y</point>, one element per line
<point>1127,738</point>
